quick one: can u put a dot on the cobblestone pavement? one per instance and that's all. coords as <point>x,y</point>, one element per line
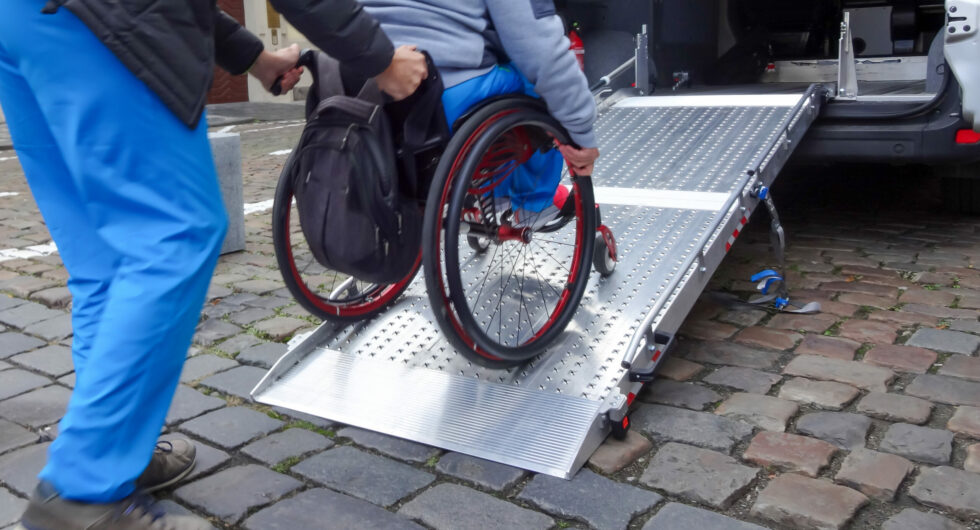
<point>866,415</point>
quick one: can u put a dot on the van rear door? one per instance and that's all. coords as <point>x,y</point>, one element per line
<point>963,53</point>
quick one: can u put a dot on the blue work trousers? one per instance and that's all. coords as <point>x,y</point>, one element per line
<point>532,185</point>
<point>130,196</point>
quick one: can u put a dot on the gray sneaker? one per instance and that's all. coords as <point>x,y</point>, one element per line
<point>49,511</point>
<point>172,461</point>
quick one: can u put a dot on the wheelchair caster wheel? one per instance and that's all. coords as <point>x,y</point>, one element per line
<point>478,244</point>
<point>602,258</point>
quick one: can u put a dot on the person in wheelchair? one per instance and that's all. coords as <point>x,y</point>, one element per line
<point>486,48</point>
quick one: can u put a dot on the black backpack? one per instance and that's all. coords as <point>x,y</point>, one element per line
<point>359,213</point>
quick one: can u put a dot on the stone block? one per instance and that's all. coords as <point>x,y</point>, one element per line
<point>678,516</point>
<point>909,519</point>
<point>765,412</point>
<point>895,407</point>
<point>27,314</point>
<point>854,373</point>
<point>36,408</point>
<point>238,381</point>
<point>972,462</point>
<point>688,395</point>
<point>14,382</point>
<point>452,507</point>
<point>314,508</point>
<point>253,486</point>
<point>877,475</point>
<point>212,331</point>
<point>942,389</point>
<point>614,454</point>
<point>11,508</point>
<point>744,379</point>
<point>843,429</point>
<point>483,473</point>
<point>189,403</point>
<point>600,502</point>
<point>226,148</point>
<point>945,341</point>
<point>804,503</point>
<point>728,353</point>
<point>901,358</point>
<point>836,347</point>
<point>362,475</point>
<point>952,490</point>
<point>19,469</point>
<point>264,355</point>
<point>54,361</point>
<point>774,339</point>
<point>204,365</point>
<point>703,429</point>
<point>932,446</point>
<point>869,331</point>
<point>408,451</point>
<point>232,426</point>
<point>13,436</point>
<point>698,475</point>
<point>823,394</point>
<point>962,366</point>
<point>789,452</point>
<point>280,328</point>
<point>53,329</point>
<point>966,420</point>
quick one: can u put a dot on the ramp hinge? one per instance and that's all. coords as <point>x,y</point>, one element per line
<point>660,344</point>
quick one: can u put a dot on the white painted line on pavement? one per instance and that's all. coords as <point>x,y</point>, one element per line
<point>297,124</point>
<point>28,252</point>
<point>225,129</point>
<point>8,194</point>
<point>281,152</point>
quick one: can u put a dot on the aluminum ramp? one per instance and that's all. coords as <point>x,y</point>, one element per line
<point>675,182</point>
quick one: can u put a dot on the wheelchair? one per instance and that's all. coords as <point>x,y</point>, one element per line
<point>500,292</point>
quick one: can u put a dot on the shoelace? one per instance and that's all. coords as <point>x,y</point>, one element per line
<point>164,446</point>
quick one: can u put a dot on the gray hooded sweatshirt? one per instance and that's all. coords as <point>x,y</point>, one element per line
<point>456,33</point>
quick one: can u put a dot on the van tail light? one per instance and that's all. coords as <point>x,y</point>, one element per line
<point>967,136</point>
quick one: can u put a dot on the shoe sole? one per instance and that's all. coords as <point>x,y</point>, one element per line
<point>180,476</point>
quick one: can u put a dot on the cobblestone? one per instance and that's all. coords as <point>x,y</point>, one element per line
<point>854,373</point>
<point>280,328</point>
<point>614,454</point>
<point>729,354</point>
<point>909,519</point>
<point>789,452</point>
<point>836,347</point>
<point>703,429</point>
<point>13,343</point>
<point>877,475</point>
<point>36,408</point>
<point>253,486</point>
<point>14,382</point>
<point>451,507</point>
<point>869,331</point>
<point>962,366</point>
<point>286,444</point>
<point>966,420</point>
<point>765,412</point>
<point>204,365</point>
<point>13,436</point>
<point>901,358</point>
<point>19,469</point>
<point>11,508</point>
<point>372,478</point>
<point>26,314</point>
<point>232,426</point>
<point>895,407</point>
<point>310,509</point>
<point>589,497</point>
<point>843,429</point>
<point>189,403</point>
<point>949,390</point>
<point>238,381</point>
<point>238,343</point>
<point>698,475</point>
<point>678,516</point>
<point>744,379</point>
<point>483,473</point>
<point>945,341</point>
<point>707,330</point>
<point>932,446</point>
<point>264,355</point>
<point>52,360</point>
<point>211,331</point>
<point>949,489</point>
<point>687,395</point>
<point>806,503</point>
<point>815,323</point>
<point>55,297</point>
<point>394,447</point>
<point>972,462</point>
<point>774,339</point>
<point>53,329</point>
<point>823,394</point>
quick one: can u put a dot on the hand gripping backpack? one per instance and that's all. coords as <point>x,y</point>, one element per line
<point>357,215</point>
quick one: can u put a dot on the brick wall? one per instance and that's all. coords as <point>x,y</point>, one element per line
<point>228,88</point>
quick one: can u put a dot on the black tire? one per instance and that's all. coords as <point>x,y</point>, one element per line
<point>444,263</point>
<point>602,258</point>
<point>313,286</point>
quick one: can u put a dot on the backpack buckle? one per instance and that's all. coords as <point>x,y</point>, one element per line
<point>343,143</point>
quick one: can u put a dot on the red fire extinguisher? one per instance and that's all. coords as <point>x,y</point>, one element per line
<point>577,47</point>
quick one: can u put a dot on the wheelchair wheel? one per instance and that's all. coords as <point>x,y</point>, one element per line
<point>327,294</point>
<point>506,304</point>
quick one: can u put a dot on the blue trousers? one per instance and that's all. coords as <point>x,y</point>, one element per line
<point>130,196</point>
<point>532,185</point>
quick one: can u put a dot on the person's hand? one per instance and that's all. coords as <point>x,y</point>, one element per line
<point>405,73</point>
<point>580,160</point>
<point>270,65</point>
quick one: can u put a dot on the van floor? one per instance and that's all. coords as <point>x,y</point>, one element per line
<point>865,88</point>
